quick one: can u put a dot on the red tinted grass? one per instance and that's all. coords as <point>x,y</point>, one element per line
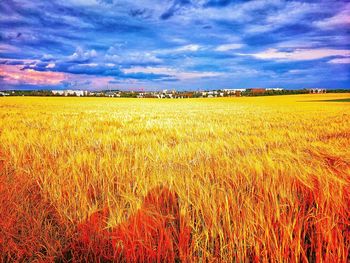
<point>156,232</point>
<point>30,227</point>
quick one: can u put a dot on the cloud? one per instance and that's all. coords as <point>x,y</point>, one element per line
<point>134,58</point>
<point>191,48</point>
<point>342,18</point>
<point>227,47</point>
<point>10,61</point>
<point>184,43</point>
<point>47,57</point>
<point>89,2</point>
<point>14,74</point>
<point>143,13</point>
<point>88,82</point>
<point>175,7</point>
<point>87,69</point>
<point>299,54</point>
<point>297,71</point>
<point>284,14</point>
<point>217,3</point>
<point>146,76</point>
<point>340,61</point>
<point>8,48</point>
<point>178,74</point>
<point>181,49</point>
<point>51,65</point>
<point>82,56</point>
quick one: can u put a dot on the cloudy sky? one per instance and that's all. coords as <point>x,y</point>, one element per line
<point>182,44</point>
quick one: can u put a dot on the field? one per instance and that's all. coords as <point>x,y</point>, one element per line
<point>133,180</point>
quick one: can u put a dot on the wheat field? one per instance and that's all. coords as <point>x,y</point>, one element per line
<point>248,179</point>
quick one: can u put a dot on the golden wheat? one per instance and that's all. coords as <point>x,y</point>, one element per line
<point>257,179</point>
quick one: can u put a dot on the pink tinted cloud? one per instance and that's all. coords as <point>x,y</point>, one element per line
<point>13,74</point>
<point>340,61</point>
<point>8,48</point>
<point>342,18</point>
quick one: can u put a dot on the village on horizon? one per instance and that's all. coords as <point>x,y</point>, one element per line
<point>171,94</point>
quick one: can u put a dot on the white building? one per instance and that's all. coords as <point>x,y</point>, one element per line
<point>234,90</point>
<point>78,93</point>
<point>58,92</point>
<point>274,89</point>
<point>317,90</point>
<point>81,93</point>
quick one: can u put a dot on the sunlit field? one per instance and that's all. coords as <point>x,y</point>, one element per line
<point>146,180</point>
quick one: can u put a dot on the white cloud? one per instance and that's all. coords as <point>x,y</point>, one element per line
<point>297,71</point>
<point>133,58</point>
<point>299,54</point>
<point>150,70</point>
<point>227,47</point>
<point>291,12</point>
<point>83,2</point>
<point>306,42</point>
<point>196,75</point>
<point>51,65</point>
<point>91,65</point>
<point>82,55</point>
<point>46,57</point>
<point>182,75</point>
<point>340,61</point>
<point>242,12</point>
<point>191,47</point>
<point>342,18</point>
<point>8,48</point>
<point>285,13</point>
<point>181,49</point>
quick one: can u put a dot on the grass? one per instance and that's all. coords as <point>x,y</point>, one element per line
<point>233,179</point>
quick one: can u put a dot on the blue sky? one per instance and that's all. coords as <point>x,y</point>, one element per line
<point>181,44</point>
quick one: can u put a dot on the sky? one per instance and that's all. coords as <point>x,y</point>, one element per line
<point>174,44</point>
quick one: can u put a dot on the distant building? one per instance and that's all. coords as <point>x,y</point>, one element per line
<point>141,95</point>
<point>4,94</point>
<point>58,92</point>
<point>233,90</point>
<point>112,94</point>
<point>78,93</point>
<point>274,89</point>
<point>317,90</point>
